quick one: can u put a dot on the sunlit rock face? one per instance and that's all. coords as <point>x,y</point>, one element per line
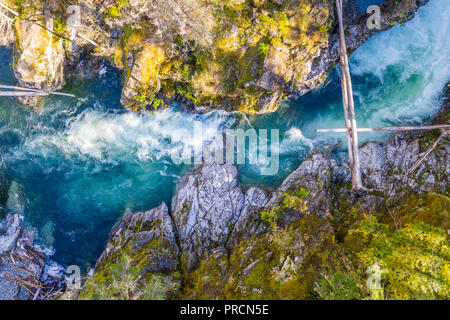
<point>238,55</point>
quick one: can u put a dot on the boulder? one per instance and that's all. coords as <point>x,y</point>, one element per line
<point>141,251</point>
<point>206,206</point>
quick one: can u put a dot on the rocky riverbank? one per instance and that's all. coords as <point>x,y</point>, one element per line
<point>25,271</point>
<point>310,238</point>
<point>234,54</point>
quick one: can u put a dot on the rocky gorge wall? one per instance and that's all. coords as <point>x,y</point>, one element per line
<point>217,239</point>
<point>25,271</point>
<point>234,54</point>
<point>312,238</point>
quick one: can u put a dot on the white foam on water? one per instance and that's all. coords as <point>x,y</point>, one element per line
<point>109,138</point>
<point>294,136</point>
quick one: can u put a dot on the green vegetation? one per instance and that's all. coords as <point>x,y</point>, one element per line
<point>291,200</point>
<point>270,216</point>
<point>401,252</point>
<point>263,49</point>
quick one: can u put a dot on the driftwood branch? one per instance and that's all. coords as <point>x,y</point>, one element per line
<point>3,86</point>
<point>418,163</point>
<point>10,20</point>
<point>20,91</point>
<point>9,9</point>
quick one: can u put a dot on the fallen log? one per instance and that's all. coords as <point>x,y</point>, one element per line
<point>21,93</point>
<point>4,86</point>
<point>36,294</point>
<point>349,105</point>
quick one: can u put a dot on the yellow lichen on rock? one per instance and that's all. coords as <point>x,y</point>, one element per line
<point>150,60</point>
<point>39,61</point>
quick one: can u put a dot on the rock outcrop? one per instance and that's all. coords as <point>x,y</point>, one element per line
<point>143,76</point>
<point>311,231</point>
<point>142,246</point>
<point>148,238</point>
<point>208,207</point>
<point>318,243</point>
<point>315,258</point>
<point>210,214</point>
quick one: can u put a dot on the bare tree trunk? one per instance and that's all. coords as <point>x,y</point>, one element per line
<point>349,109</point>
